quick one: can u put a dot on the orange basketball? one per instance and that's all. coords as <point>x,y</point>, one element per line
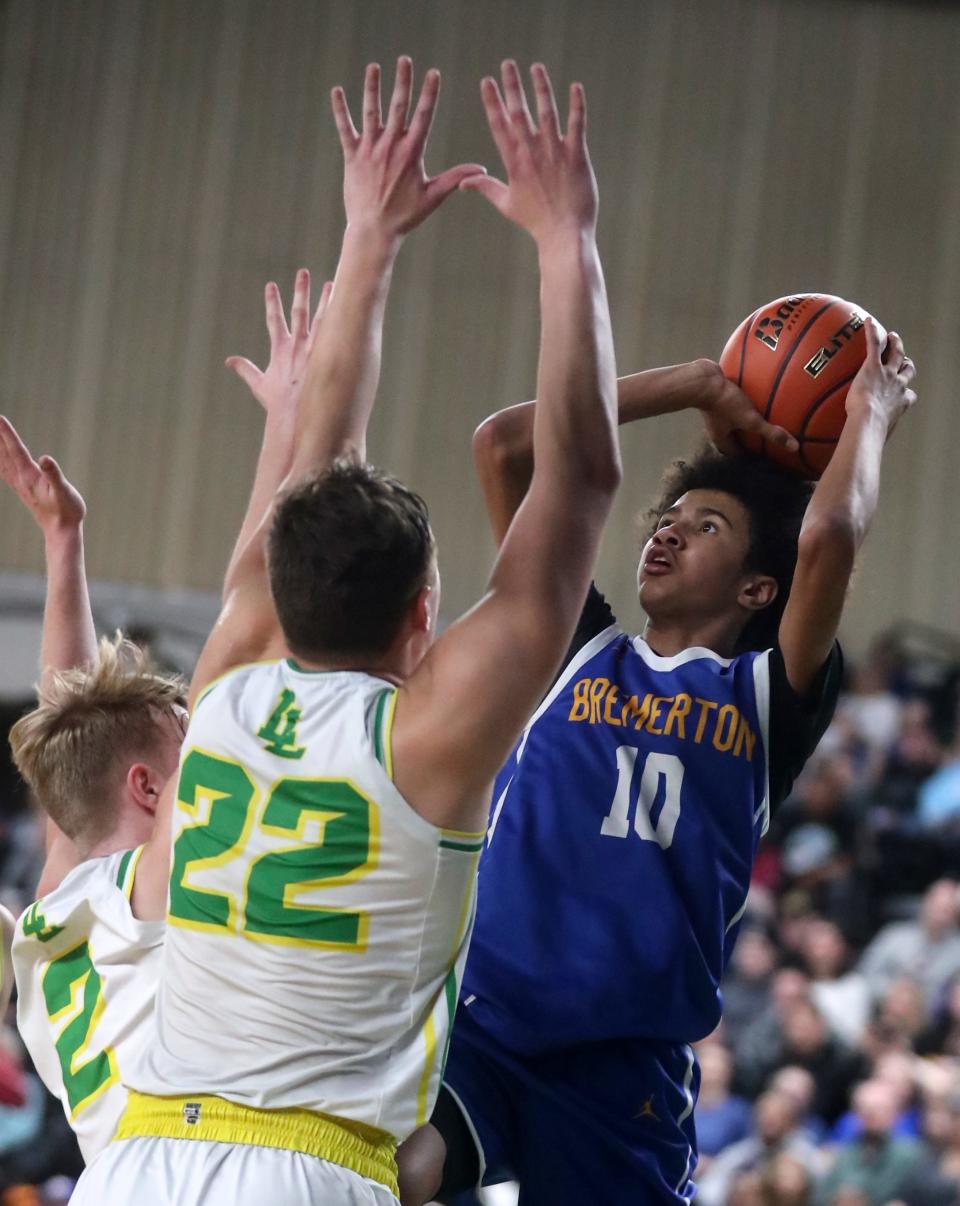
<point>794,358</point>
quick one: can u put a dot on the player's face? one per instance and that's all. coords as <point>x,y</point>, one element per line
<point>692,565</point>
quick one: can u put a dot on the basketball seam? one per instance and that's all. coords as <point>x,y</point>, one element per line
<point>802,438</point>
<point>789,356</point>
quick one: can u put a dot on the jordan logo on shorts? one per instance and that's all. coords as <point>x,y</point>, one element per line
<point>646,1111</point>
<point>191,1113</point>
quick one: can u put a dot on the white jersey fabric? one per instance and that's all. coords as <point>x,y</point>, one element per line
<point>86,972</point>
<point>317,925</point>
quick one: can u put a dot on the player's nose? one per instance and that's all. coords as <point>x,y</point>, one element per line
<point>670,535</point>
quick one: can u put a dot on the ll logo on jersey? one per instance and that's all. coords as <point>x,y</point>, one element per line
<point>191,1113</point>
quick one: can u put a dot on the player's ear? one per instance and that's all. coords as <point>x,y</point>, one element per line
<point>143,786</point>
<point>421,609</point>
<point>757,592</point>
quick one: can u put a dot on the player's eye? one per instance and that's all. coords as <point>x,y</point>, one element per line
<point>709,526</point>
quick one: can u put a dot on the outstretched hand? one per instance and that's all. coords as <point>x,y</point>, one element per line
<point>385,184</point>
<point>885,377</point>
<point>550,183</point>
<point>278,385</point>
<point>726,410</point>
<point>40,485</point>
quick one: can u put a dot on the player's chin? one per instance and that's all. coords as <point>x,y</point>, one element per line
<point>656,588</point>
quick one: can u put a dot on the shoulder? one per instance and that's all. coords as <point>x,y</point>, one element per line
<point>238,678</point>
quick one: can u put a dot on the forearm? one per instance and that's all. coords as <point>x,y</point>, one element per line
<point>574,426</point>
<point>503,443</point>
<point>69,637</point>
<point>273,465</point>
<point>344,368</point>
<point>845,499</point>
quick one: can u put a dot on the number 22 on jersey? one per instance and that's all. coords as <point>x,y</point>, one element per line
<point>334,830</point>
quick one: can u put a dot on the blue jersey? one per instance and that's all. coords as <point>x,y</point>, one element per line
<point>621,840</point>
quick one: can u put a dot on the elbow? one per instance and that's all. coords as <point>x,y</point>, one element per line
<point>605,474</point>
<point>832,538</point>
<point>496,445</point>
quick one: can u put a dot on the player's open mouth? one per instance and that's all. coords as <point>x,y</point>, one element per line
<point>657,563</point>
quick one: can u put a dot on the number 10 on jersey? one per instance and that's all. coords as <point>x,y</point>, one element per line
<point>657,768</point>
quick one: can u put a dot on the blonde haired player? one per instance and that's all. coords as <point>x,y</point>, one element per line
<point>97,752</point>
<point>327,817</point>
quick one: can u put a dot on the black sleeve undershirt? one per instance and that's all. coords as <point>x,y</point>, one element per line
<point>597,615</point>
<point>797,722</point>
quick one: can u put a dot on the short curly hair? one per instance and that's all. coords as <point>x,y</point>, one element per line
<point>774,499</point>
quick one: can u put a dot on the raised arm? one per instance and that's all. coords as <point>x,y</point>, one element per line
<point>7,927</point>
<point>503,443</point>
<point>460,712</point>
<point>842,507</point>
<point>277,388</point>
<point>69,637</point>
<point>386,194</point>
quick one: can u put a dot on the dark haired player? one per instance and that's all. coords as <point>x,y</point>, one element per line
<point>328,816</point>
<point>625,823</point>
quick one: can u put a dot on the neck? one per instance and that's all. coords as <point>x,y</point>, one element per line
<point>385,667</point>
<point>668,637</point>
<point>128,833</point>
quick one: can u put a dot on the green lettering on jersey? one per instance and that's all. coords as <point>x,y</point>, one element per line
<point>35,924</point>
<point>279,732</point>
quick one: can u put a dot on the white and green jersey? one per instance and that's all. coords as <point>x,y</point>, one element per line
<point>86,972</point>
<point>317,925</point>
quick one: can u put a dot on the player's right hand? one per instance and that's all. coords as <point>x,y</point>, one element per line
<point>550,185</point>
<point>726,409</point>
<point>385,184</point>
<point>54,503</point>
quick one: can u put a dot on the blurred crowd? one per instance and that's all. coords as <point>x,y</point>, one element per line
<point>834,1078</point>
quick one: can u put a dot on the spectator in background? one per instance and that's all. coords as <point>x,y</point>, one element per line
<point>760,1048</point>
<point>935,1179</point>
<point>899,1019</point>
<point>817,854</point>
<point>722,1118</point>
<point>915,756</point>
<point>776,1132</point>
<point>896,1069</point>
<point>939,798</point>
<point>746,983</point>
<point>807,1042</point>
<point>926,950</point>
<point>787,1182</point>
<point>841,995</point>
<point>942,1035</point>
<point>799,1084</point>
<point>870,715</point>
<point>876,1162</point>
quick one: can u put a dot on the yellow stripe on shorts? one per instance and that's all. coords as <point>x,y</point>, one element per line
<point>363,1149</point>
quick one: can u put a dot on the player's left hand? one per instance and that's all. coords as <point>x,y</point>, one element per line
<point>885,378</point>
<point>385,184</point>
<point>54,503</point>
<point>278,386</point>
<point>726,410</point>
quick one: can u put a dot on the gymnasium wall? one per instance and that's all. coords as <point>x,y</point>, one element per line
<point>161,159</point>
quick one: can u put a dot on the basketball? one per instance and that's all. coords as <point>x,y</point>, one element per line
<point>794,358</point>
